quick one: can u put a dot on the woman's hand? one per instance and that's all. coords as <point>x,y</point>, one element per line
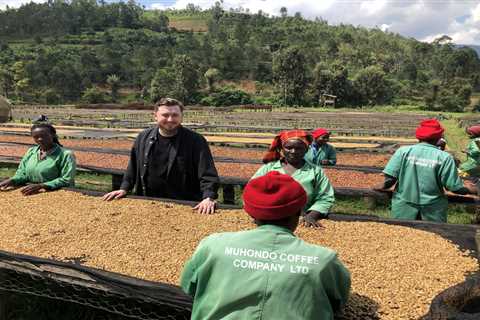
<point>33,189</point>
<point>5,184</point>
<point>311,220</point>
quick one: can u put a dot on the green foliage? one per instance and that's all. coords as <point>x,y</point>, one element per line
<point>114,81</point>
<point>161,85</point>
<point>155,21</point>
<point>93,95</point>
<point>6,82</point>
<point>372,86</point>
<point>332,80</point>
<point>59,17</point>
<point>186,78</point>
<point>453,96</point>
<point>290,74</point>
<point>227,96</point>
<point>212,75</point>
<point>180,81</point>
<point>50,96</point>
<point>68,46</point>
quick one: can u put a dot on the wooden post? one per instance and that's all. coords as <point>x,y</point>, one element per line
<point>116,181</point>
<point>370,202</point>
<point>477,242</point>
<point>228,193</point>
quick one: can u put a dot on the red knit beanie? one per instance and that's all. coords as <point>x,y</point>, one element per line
<point>474,130</point>
<point>273,196</point>
<point>429,129</point>
<point>319,132</point>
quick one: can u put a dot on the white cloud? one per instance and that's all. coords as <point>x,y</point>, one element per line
<point>384,27</point>
<point>466,30</point>
<point>16,3</point>
<point>372,7</point>
<point>476,14</point>
<point>470,36</point>
<point>158,6</point>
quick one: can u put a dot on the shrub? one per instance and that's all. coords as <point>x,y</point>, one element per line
<point>93,95</point>
<point>227,96</point>
<point>453,96</point>
<point>50,96</point>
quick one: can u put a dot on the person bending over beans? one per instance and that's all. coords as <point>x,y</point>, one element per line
<point>267,272</point>
<point>46,166</point>
<point>420,174</point>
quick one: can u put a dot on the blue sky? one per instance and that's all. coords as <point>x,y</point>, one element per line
<point>424,20</point>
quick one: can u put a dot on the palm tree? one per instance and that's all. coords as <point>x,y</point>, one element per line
<point>113,80</point>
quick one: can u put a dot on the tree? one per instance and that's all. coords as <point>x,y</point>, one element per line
<point>212,75</point>
<point>331,80</point>
<point>227,96</point>
<point>114,82</point>
<point>93,95</point>
<point>283,12</point>
<point>6,81</point>
<point>50,96</point>
<point>161,85</point>
<point>290,74</point>
<point>22,83</point>
<point>371,85</point>
<point>186,78</point>
<point>453,96</point>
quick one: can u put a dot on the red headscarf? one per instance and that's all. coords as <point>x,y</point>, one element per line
<point>429,129</point>
<point>474,130</point>
<point>273,153</point>
<point>273,196</point>
<point>319,132</point>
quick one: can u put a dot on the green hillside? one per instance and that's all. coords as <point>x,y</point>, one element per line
<point>59,52</point>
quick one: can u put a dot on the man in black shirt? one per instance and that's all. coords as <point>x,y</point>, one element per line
<point>171,161</point>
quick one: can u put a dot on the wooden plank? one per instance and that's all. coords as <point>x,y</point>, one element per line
<point>235,181</point>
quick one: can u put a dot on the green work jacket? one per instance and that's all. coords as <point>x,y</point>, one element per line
<point>423,171</point>
<point>472,164</point>
<point>56,170</point>
<point>316,154</point>
<point>320,193</point>
<point>265,273</point>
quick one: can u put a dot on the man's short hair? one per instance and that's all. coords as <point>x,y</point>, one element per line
<point>168,102</point>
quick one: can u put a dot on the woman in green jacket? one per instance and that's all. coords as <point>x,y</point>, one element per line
<point>248,275</point>
<point>46,166</point>
<point>321,152</point>
<point>286,155</point>
<point>471,167</point>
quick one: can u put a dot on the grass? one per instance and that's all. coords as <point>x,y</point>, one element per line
<point>83,180</point>
<point>457,214</point>
<point>93,181</point>
<point>456,137</point>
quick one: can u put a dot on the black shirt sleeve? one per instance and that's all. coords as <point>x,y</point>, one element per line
<point>207,173</point>
<point>130,176</point>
